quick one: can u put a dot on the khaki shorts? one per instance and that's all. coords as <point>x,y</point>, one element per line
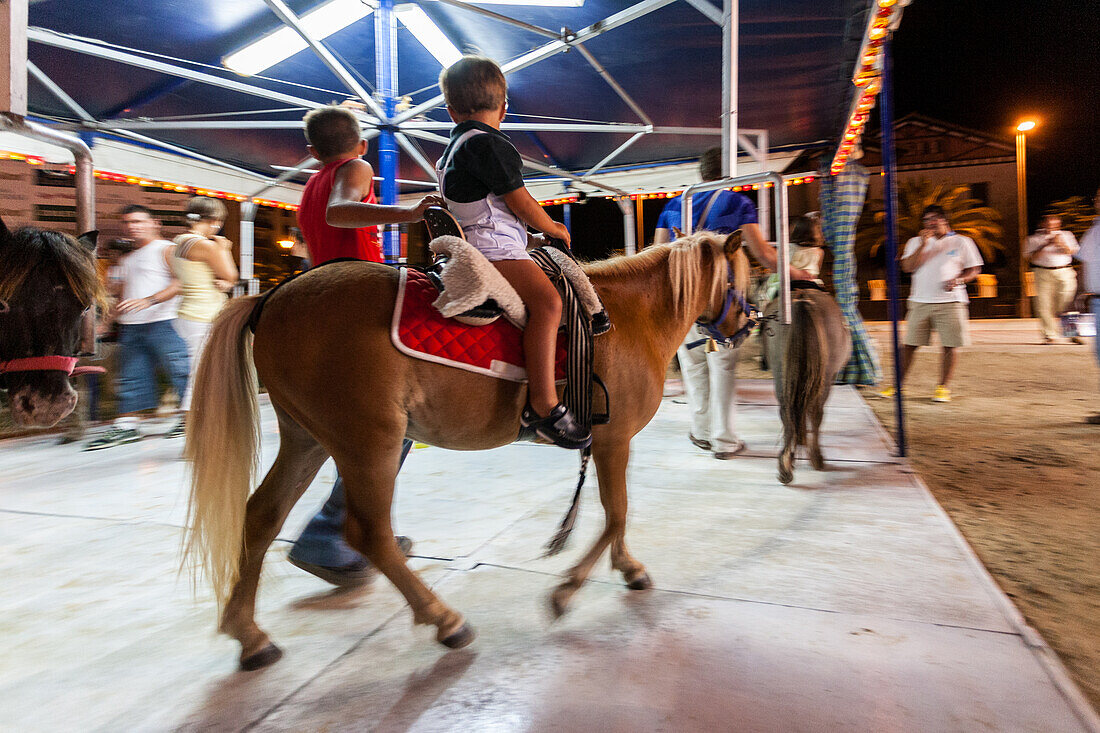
<point>950,321</point>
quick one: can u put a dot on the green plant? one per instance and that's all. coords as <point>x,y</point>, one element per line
<point>968,216</point>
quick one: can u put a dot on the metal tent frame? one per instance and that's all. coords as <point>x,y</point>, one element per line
<point>395,129</point>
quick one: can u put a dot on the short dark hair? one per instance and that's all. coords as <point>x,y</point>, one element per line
<point>332,130</point>
<point>473,84</point>
<point>136,209</point>
<point>710,164</point>
<point>936,210</point>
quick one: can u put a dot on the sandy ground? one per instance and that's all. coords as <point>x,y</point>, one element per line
<point>1017,470</point>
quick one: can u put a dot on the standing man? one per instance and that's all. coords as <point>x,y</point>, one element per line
<point>709,377</point>
<point>144,314</point>
<point>942,263</point>
<point>339,218</point>
<point>1089,257</point>
<point>1050,250</point>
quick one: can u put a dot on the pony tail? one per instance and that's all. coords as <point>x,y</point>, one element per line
<point>804,378</point>
<point>223,438</point>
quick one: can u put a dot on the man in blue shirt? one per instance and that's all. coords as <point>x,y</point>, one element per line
<point>1089,283</point>
<point>709,378</point>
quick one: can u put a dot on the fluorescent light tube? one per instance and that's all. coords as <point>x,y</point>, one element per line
<point>428,33</point>
<point>283,43</point>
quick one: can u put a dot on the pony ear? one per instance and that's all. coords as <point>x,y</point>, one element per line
<point>679,234</point>
<point>4,233</point>
<point>88,239</point>
<point>732,243</point>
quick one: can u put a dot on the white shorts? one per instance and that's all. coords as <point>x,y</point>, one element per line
<point>496,247</point>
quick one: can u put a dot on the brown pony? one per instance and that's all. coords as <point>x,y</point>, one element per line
<point>48,281</point>
<point>805,358</point>
<point>339,387</point>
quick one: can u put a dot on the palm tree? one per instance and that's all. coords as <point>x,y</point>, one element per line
<point>1077,214</point>
<point>967,216</point>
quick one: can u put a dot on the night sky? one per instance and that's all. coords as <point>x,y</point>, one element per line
<point>985,65</point>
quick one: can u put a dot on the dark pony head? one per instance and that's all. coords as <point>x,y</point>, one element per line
<point>48,281</point>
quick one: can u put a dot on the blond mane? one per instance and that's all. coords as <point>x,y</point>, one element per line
<point>694,266</point>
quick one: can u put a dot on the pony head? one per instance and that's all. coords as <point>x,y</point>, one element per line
<point>48,281</point>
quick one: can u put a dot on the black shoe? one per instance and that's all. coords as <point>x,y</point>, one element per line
<point>355,574</point>
<point>559,427</point>
<point>601,323</point>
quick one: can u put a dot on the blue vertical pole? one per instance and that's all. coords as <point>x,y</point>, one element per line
<point>890,194</point>
<point>567,218</point>
<point>385,73</point>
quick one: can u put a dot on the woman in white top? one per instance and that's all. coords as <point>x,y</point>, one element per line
<point>202,261</point>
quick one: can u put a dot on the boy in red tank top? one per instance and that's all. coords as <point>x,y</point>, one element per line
<point>339,217</point>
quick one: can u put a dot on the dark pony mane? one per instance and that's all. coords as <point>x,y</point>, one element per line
<point>27,249</point>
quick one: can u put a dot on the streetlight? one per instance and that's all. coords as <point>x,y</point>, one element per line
<point>1024,305</point>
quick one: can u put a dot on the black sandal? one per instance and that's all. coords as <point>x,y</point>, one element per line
<point>559,427</point>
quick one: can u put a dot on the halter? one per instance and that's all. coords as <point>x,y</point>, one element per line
<point>711,327</point>
<point>65,364</point>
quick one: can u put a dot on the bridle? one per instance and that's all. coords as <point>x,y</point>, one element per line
<point>65,364</point>
<point>733,295</point>
<point>54,362</point>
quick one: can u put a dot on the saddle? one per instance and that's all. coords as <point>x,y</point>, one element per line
<point>473,292</point>
<point>476,318</point>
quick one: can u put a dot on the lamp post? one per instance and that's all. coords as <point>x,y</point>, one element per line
<point>1023,308</point>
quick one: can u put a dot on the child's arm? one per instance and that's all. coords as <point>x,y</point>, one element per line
<point>346,208</point>
<point>523,205</point>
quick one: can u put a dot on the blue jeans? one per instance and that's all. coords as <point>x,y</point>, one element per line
<point>142,347</point>
<point>322,541</point>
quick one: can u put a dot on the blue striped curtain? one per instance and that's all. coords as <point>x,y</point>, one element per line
<point>842,198</point>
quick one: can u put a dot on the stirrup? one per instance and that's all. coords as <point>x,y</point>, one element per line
<point>559,427</point>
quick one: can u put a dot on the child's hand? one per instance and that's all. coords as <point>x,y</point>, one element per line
<point>558,231</point>
<point>425,202</point>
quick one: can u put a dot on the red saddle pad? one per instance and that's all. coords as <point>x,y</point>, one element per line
<point>495,350</point>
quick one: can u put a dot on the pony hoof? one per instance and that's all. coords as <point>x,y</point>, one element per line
<point>785,477</point>
<point>460,638</point>
<point>642,582</point>
<point>266,656</point>
<point>559,603</point>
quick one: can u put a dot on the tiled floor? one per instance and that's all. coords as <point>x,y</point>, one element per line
<point>845,601</point>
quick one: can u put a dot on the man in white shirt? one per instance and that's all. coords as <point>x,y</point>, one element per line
<point>1050,250</point>
<point>942,263</point>
<point>1089,256</point>
<point>146,338</point>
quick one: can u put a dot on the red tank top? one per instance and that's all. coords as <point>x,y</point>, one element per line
<point>326,242</point>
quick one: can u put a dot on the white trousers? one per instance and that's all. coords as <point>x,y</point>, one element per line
<point>1054,291</point>
<point>711,386</point>
<point>194,334</point>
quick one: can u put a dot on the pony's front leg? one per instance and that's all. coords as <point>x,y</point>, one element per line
<point>369,486</point>
<point>611,459</point>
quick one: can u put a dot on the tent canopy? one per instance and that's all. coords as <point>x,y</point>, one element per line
<point>796,58</point>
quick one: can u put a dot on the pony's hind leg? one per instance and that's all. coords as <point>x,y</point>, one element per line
<point>786,456</point>
<point>817,414</point>
<point>368,482</point>
<point>299,459</point>
<point>611,460</point>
